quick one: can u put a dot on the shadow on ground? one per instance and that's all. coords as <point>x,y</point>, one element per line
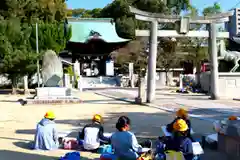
<point>19,91</point>
<point>13,155</point>
<point>24,145</point>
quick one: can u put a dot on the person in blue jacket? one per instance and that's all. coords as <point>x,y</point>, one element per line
<point>124,142</point>
<point>46,137</point>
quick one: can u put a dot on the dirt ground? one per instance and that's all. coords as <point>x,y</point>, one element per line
<point>17,123</point>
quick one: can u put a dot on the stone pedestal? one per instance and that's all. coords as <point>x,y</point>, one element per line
<point>141,91</point>
<point>52,93</point>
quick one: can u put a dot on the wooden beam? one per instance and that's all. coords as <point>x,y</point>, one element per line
<point>170,33</point>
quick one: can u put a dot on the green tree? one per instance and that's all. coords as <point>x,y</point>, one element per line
<point>176,6</point>
<point>17,58</point>
<point>167,57</point>
<point>51,36</point>
<point>133,52</point>
<point>216,8</point>
<point>84,13</point>
<point>33,10</point>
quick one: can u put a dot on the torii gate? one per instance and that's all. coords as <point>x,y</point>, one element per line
<point>154,33</point>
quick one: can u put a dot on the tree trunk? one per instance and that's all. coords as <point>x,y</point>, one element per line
<point>14,84</point>
<point>166,74</point>
<point>25,83</point>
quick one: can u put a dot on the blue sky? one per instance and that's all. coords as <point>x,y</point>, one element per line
<point>90,4</point>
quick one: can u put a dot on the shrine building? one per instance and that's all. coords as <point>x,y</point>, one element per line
<point>92,40</point>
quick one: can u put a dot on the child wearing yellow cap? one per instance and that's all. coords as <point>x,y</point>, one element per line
<point>180,142</point>
<point>46,137</point>
<point>180,114</point>
<point>92,134</point>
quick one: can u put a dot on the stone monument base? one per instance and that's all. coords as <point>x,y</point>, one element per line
<point>52,95</point>
<point>52,92</point>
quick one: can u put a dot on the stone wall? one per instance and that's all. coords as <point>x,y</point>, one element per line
<point>229,84</point>
<point>205,81</point>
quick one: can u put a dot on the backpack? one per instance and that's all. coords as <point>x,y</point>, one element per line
<point>146,156</point>
<point>71,156</point>
<point>173,155</point>
<point>105,149</point>
<point>70,144</point>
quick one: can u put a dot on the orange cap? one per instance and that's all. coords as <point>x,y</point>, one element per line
<point>182,113</point>
<point>232,118</point>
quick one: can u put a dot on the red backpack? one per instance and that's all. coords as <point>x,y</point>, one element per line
<point>70,144</point>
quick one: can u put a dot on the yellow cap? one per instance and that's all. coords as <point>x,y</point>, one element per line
<point>182,113</point>
<point>232,118</point>
<point>180,125</point>
<point>50,115</point>
<point>97,118</point>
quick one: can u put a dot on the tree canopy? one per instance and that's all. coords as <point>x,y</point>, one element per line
<point>18,34</point>
<point>34,10</point>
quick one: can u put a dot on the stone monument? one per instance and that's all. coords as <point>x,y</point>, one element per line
<point>53,91</point>
<point>52,71</point>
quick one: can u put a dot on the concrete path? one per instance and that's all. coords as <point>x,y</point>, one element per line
<point>198,105</point>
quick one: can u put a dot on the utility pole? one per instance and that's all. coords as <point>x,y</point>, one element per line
<point>38,68</point>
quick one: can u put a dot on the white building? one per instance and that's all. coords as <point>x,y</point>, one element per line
<point>234,23</point>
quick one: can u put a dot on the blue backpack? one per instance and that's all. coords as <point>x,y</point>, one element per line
<point>105,149</point>
<point>71,156</point>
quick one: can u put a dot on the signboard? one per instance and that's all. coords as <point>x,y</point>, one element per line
<point>109,68</point>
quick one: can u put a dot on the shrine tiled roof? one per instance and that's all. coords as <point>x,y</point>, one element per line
<point>85,29</point>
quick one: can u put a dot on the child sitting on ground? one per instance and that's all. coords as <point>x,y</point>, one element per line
<point>46,137</point>
<point>125,144</point>
<point>179,142</point>
<point>181,114</point>
<point>218,124</point>
<point>92,134</point>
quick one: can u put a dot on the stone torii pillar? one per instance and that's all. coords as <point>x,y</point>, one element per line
<point>152,62</point>
<point>211,34</point>
<point>212,47</point>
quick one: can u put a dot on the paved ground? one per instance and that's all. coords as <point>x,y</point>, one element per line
<point>17,123</point>
<point>199,105</point>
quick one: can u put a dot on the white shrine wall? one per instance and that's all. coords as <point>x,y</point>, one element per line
<point>229,84</point>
